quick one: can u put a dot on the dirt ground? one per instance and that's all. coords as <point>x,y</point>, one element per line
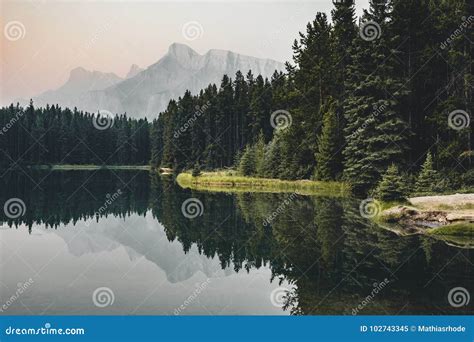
<point>459,202</point>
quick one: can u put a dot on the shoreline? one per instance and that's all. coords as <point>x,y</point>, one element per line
<point>91,167</point>
<point>230,182</point>
<point>442,215</point>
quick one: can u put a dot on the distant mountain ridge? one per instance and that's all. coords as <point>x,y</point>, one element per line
<point>146,92</point>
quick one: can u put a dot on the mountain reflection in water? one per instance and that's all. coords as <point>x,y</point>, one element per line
<point>316,256</point>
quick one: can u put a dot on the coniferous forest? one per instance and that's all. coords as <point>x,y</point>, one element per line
<point>390,94</point>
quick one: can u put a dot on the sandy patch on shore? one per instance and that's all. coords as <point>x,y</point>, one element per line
<point>459,202</point>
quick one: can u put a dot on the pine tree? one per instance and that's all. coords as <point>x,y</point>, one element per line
<point>375,133</point>
<point>328,163</point>
<point>428,177</point>
<point>342,36</point>
<point>247,162</point>
<point>156,138</point>
<point>259,155</point>
<point>391,186</point>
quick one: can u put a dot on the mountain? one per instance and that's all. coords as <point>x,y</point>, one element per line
<point>149,240</point>
<point>148,92</point>
<point>134,70</point>
<point>79,83</point>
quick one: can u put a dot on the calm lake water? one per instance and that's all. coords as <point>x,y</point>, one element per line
<point>130,242</point>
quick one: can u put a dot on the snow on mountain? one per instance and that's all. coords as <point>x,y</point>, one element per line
<point>146,93</point>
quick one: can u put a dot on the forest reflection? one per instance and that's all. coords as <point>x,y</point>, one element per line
<point>331,256</point>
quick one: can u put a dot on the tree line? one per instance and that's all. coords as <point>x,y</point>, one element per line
<point>52,135</point>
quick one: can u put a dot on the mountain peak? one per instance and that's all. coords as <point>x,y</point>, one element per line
<point>179,48</point>
<point>134,70</point>
<point>78,72</point>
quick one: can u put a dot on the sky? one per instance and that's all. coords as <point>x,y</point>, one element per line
<point>44,40</point>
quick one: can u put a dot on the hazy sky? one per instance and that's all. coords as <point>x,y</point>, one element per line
<point>43,40</point>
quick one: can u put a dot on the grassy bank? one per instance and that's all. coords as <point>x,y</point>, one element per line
<point>457,229</point>
<point>68,167</point>
<point>228,181</point>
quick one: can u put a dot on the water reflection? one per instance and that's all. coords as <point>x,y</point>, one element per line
<point>329,258</point>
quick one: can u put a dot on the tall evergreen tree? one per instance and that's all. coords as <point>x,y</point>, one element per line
<point>328,156</point>
<point>375,131</point>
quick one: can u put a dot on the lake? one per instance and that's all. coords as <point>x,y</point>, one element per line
<point>133,242</point>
